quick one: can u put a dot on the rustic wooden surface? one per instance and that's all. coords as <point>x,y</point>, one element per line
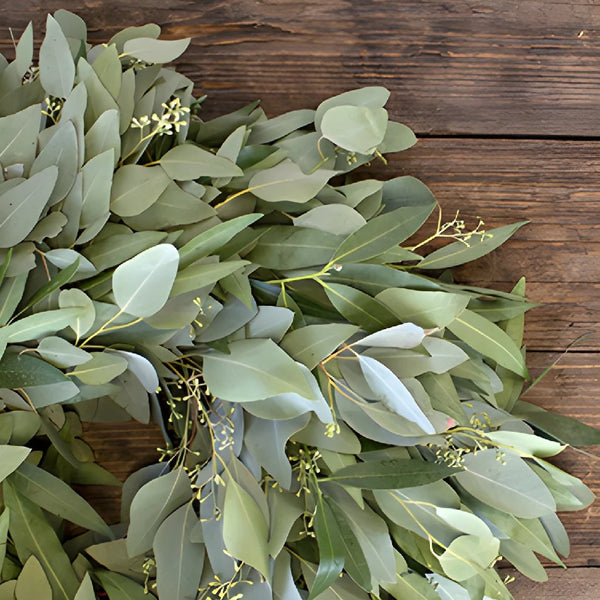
<point>505,95</point>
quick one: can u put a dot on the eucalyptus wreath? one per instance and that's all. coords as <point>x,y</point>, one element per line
<point>341,420</point>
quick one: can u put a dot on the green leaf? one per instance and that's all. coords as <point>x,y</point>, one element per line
<point>278,127</point>
<point>284,586</point>
<point>153,503</point>
<point>266,440</point>
<point>391,473</point>
<point>283,247</point>
<point>284,509</point>
<point>200,275</point>
<point>560,427</point>
<point>57,69</point>
<point>382,233</point>
<point>22,370</point>
<point>155,51</point>
<point>135,188</point>
<point>209,241</point>
<point>4,521</point>
<point>406,335</point>
<point>245,530</point>
<point>178,561</point>
<point>10,459</point>
<point>287,182</point>
<point>512,487</point>
<point>101,368</point>
<point>22,205</point>
<point>74,297</point>
<point>61,151</point>
<point>254,369</point>
<point>424,308</point>
<point>337,219</point>
<point>33,535</point>
<point>311,344</point>
<point>86,589</point>
<point>188,161</point>
<point>358,307</point>
<point>119,587</point>
<point>371,96</point>
<point>56,496</point>
<point>355,563</point>
<point>459,253</point>
<point>32,582</point>
<point>40,324</point>
<point>62,353</point>
<point>113,250</point>
<point>488,339</point>
<point>18,136</point>
<point>97,180</point>
<point>393,393</point>
<point>331,556</point>
<point>61,278</point>
<point>142,284</point>
<point>367,130</point>
<point>397,137</point>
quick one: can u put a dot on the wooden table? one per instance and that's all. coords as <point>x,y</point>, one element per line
<point>505,97</point>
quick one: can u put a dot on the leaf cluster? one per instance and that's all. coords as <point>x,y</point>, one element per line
<point>341,419</point>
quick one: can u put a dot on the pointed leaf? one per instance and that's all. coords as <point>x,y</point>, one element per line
<point>187,162</point>
<point>57,69</point>
<point>32,582</point>
<point>245,530</point>
<point>489,340</point>
<point>391,474</point>
<point>55,496</point>
<point>406,335</point>
<point>155,51</point>
<point>154,502</point>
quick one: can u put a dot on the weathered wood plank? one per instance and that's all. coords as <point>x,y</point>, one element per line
<point>554,185</point>
<point>499,67</point>
<point>579,584</point>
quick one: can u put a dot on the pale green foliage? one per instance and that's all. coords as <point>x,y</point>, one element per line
<point>332,412</point>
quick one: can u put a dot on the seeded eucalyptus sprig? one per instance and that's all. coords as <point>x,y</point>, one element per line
<point>339,420</point>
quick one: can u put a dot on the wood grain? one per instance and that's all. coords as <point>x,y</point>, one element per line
<point>488,67</point>
<point>577,584</point>
<point>502,71</point>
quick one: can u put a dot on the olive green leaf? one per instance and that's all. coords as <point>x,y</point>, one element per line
<point>86,589</point>
<point>62,353</point>
<point>338,219</point>
<point>142,284</point>
<point>41,324</point>
<point>202,274</point>
<point>18,136</point>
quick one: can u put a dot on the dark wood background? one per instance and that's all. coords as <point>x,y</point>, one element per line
<point>505,98</point>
